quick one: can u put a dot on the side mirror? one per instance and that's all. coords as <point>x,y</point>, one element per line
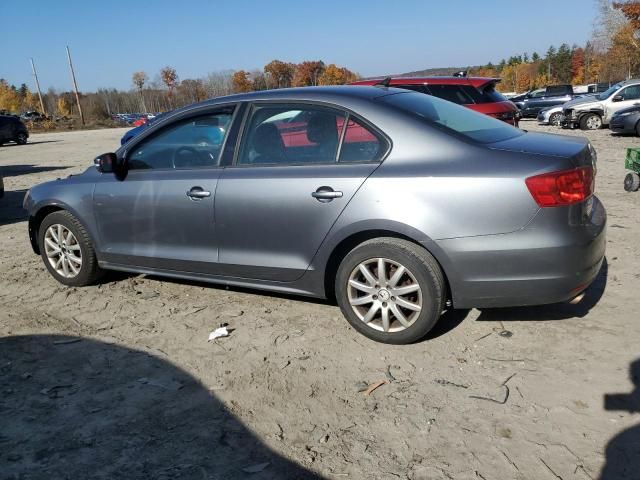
<point>106,163</point>
<point>617,98</point>
<point>109,163</point>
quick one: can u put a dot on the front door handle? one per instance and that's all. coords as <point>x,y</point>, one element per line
<point>196,193</point>
<point>325,194</point>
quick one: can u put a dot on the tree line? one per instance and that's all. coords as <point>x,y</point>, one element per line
<point>611,54</point>
<point>166,91</point>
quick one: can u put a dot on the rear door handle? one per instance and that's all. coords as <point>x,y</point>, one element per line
<point>325,194</point>
<point>196,193</point>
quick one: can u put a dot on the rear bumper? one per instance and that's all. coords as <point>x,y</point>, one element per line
<point>549,261</point>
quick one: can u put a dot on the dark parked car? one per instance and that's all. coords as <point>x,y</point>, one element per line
<point>12,130</point>
<point>548,97</point>
<point>397,203</point>
<point>476,93</point>
<point>1,186</point>
<point>32,116</point>
<point>626,121</point>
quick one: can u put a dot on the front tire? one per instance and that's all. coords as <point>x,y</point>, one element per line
<point>67,250</point>
<point>555,119</point>
<point>390,290</point>
<point>591,121</point>
<point>21,139</point>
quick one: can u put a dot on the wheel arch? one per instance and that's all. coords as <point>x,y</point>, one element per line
<point>353,239</point>
<point>41,212</point>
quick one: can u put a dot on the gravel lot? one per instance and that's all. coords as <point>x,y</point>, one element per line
<point>119,381</point>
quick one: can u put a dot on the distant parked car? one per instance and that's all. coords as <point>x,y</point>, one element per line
<point>626,120</point>
<point>476,93</point>
<point>397,203</point>
<point>32,116</point>
<point>594,112</point>
<point>12,130</point>
<point>551,116</point>
<point>550,96</point>
<point>518,100</point>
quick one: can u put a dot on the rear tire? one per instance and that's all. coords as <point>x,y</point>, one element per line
<point>591,121</point>
<point>632,182</point>
<point>67,250</point>
<point>400,305</point>
<point>21,139</point>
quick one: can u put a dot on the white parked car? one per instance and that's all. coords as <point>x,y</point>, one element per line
<point>594,112</point>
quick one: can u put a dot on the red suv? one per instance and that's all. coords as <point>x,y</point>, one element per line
<point>476,93</point>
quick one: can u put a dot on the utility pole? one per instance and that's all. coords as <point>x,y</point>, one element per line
<point>33,67</point>
<point>75,86</point>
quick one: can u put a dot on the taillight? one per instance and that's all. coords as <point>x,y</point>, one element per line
<point>565,187</point>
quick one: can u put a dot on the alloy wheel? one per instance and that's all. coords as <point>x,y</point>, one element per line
<point>594,122</point>
<point>384,295</point>
<point>63,251</point>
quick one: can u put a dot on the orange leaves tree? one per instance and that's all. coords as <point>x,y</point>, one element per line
<point>308,73</point>
<point>170,79</point>
<point>241,82</point>
<point>334,75</point>
<point>279,74</point>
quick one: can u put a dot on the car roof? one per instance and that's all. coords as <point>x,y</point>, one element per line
<point>473,81</point>
<point>632,81</point>
<point>331,94</point>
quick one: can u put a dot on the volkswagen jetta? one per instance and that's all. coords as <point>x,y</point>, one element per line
<point>397,204</point>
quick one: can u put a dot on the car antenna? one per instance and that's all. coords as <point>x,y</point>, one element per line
<point>384,83</point>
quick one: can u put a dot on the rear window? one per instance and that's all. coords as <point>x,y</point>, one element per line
<point>559,90</point>
<point>452,118</point>
<point>487,94</point>
<point>452,93</point>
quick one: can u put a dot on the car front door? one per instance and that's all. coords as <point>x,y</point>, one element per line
<point>161,215</point>
<point>296,170</point>
<point>626,97</point>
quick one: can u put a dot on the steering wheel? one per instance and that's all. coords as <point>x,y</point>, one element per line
<point>180,151</point>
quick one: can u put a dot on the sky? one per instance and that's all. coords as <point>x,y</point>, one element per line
<point>109,40</point>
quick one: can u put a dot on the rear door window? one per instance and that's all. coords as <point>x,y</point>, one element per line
<point>292,135</point>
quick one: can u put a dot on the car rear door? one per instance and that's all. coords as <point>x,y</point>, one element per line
<point>296,170</point>
<point>161,215</point>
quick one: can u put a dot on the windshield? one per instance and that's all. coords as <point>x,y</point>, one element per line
<point>453,118</point>
<point>606,94</point>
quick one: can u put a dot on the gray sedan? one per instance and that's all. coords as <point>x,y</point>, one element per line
<point>398,205</point>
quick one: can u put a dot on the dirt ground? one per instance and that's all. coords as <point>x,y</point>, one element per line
<point>118,380</point>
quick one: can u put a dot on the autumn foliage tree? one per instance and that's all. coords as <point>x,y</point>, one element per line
<point>170,79</point>
<point>241,82</point>
<point>308,73</point>
<point>279,74</point>
<point>139,79</point>
<point>334,75</point>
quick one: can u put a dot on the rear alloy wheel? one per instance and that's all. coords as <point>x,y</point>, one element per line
<point>67,251</point>
<point>632,182</point>
<point>555,119</point>
<point>390,290</point>
<point>591,121</point>
<point>21,139</point>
